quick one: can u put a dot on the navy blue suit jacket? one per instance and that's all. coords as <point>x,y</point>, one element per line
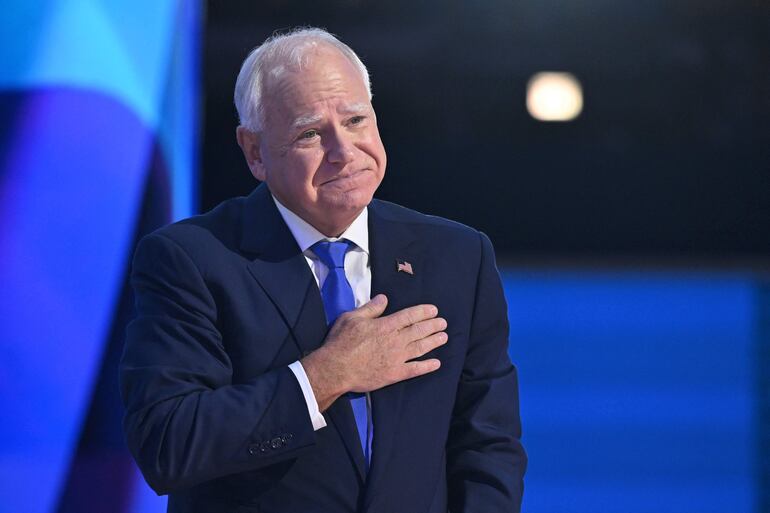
<point>216,419</point>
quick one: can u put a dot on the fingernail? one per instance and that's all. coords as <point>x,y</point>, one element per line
<point>378,299</point>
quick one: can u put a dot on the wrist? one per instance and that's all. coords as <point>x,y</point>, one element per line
<point>326,376</point>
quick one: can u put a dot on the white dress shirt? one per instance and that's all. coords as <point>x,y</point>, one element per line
<point>357,271</point>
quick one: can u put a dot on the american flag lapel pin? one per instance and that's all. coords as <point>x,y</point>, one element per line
<point>403,266</point>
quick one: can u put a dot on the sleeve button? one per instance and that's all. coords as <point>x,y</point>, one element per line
<point>253,449</point>
<point>276,443</point>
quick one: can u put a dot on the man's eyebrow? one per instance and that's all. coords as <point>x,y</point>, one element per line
<point>354,108</point>
<point>303,121</point>
<point>309,119</point>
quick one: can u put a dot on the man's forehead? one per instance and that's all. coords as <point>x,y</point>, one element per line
<point>322,62</point>
<point>302,96</point>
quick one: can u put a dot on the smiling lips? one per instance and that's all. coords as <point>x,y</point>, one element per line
<point>345,177</point>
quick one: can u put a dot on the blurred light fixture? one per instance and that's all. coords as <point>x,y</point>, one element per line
<point>553,96</point>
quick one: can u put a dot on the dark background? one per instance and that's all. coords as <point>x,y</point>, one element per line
<point>669,159</point>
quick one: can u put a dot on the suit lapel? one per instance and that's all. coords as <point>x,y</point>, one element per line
<point>340,414</point>
<point>390,242</point>
<point>281,270</point>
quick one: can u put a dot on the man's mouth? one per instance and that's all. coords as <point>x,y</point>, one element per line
<point>345,176</point>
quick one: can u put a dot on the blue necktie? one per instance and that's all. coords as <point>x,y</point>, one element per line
<point>337,296</point>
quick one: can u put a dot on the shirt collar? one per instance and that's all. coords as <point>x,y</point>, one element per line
<point>306,235</point>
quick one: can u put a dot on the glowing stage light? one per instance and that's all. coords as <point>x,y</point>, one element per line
<point>553,96</point>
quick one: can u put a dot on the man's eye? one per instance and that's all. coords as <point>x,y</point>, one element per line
<point>308,134</point>
<point>356,120</point>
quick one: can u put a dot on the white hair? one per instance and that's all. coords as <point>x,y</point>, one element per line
<point>279,53</point>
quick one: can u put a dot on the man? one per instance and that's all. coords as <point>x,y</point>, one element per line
<point>258,374</point>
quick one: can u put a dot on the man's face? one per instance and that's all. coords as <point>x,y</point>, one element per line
<point>319,151</point>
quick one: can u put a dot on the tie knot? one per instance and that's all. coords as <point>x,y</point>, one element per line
<point>332,254</point>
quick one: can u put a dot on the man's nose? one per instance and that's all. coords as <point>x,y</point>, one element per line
<point>340,149</point>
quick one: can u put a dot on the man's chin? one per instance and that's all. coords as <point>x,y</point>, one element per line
<point>347,202</point>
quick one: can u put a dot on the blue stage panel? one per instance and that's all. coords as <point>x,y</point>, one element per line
<point>98,137</point>
<point>637,390</point>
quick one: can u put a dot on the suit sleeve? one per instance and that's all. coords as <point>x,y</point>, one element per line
<point>485,459</point>
<point>185,421</point>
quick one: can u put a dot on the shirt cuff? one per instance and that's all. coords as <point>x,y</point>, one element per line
<point>316,417</point>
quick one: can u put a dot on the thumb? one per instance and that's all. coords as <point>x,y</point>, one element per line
<point>373,308</point>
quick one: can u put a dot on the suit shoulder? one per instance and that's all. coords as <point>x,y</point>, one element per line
<point>220,224</point>
<point>437,226</point>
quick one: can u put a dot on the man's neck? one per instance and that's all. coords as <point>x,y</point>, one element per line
<point>327,227</point>
<point>307,233</point>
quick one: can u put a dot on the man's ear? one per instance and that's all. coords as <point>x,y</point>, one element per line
<point>249,142</point>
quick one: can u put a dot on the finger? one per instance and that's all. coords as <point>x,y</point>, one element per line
<point>411,315</point>
<point>373,308</point>
<point>422,329</point>
<point>414,369</point>
<point>425,345</point>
